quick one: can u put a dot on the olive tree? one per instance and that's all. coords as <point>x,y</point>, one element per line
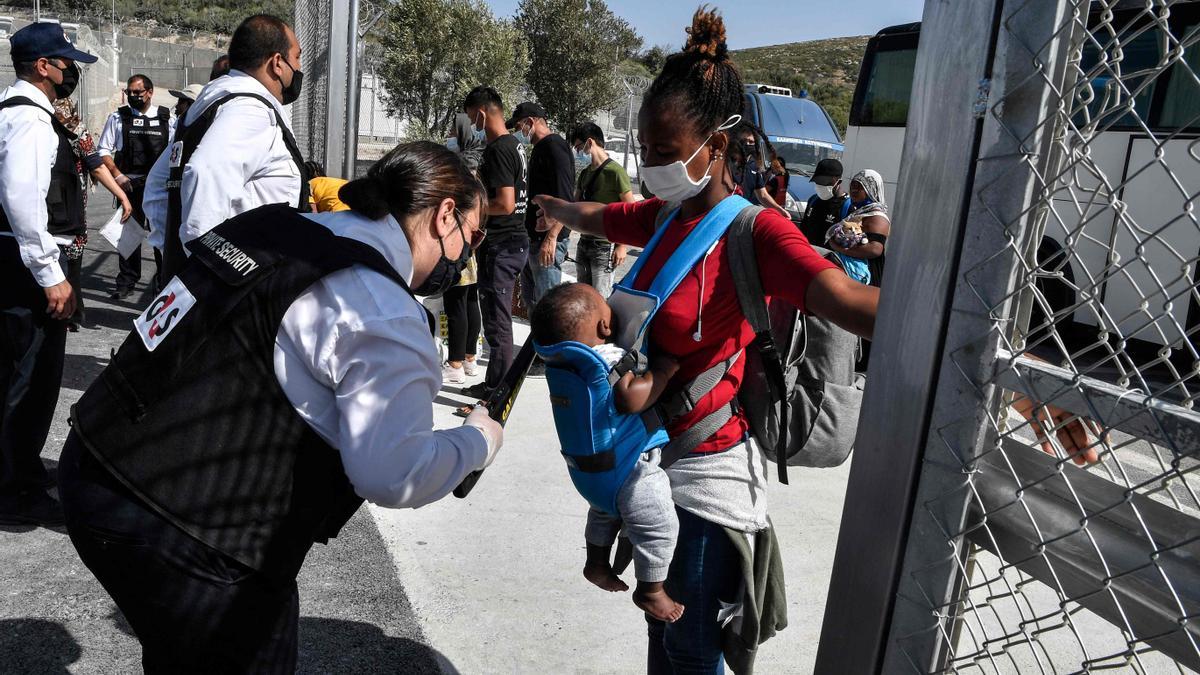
<point>432,52</point>
<point>575,49</point>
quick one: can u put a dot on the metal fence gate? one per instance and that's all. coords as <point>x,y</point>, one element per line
<point>319,115</point>
<point>1045,245</point>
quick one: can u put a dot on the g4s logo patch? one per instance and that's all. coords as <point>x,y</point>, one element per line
<point>164,314</point>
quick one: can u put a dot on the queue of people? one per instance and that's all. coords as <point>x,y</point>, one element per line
<point>285,372</point>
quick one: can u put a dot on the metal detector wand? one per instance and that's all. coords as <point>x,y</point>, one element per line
<point>500,404</point>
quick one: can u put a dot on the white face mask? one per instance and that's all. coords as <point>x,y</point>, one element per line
<point>671,182</point>
<point>824,192</point>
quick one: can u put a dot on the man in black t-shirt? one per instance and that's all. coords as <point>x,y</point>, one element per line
<point>504,252</point>
<point>551,172</point>
<point>829,206</point>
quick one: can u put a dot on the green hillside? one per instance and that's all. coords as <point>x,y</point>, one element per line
<point>220,16</point>
<point>827,69</point>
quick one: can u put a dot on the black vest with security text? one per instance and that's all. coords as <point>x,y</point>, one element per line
<point>64,198</point>
<point>187,139</point>
<point>143,139</point>
<point>189,413</point>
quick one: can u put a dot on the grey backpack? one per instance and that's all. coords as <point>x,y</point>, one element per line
<point>799,391</point>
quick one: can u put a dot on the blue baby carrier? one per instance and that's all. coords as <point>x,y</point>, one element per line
<point>602,446</point>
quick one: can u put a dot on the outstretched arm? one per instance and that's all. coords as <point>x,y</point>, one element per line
<point>834,296</point>
<point>583,217</point>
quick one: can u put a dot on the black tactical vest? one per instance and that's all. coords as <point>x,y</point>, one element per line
<point>64,199</point>
<point>189,413</point>
<point>143,139</point>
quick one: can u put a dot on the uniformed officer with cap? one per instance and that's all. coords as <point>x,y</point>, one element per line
<point>40,197</point>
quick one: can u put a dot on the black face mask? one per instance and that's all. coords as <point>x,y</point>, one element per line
<point>70,76</point>
<point>135,101</point>
<point>292,92</point>
<point>446,273</point>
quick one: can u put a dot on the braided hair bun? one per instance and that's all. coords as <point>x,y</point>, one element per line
<point>707,35</point>
<point>700,85</point>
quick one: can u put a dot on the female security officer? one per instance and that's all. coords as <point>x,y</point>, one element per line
<point>283,376</point>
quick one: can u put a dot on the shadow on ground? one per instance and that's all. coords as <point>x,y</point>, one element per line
<point>339,646</point>
<point>37,646</point>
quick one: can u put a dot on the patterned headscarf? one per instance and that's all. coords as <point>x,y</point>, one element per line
<point>872,184</point>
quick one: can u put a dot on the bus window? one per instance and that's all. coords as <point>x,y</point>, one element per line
<point>889,86</point>
<point>1181,104</point>
<point>1112,81</point>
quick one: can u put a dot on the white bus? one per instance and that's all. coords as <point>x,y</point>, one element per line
<point>1169,105</point>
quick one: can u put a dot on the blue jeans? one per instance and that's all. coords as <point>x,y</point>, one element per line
<point>706,569</point>
<point>593,263</point>
<point>536,280</point>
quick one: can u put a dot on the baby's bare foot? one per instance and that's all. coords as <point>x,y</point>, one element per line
<point>601,574</point>
<point>656,603</point>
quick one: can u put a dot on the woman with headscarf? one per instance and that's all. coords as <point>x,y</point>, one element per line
<point>868,207</point>
<point>87,161</point>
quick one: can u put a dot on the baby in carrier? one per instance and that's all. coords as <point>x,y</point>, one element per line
<point>577,313</point>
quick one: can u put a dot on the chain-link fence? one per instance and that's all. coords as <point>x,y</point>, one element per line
<point>1047,222</point>
<point>171,61</point>
<point>95,96</point>
<point>619,124</point>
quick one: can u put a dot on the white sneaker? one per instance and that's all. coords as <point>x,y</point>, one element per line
<point>470,367</point>
<point>453,375</point>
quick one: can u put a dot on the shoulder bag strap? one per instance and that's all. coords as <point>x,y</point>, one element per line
<point>587,192</point>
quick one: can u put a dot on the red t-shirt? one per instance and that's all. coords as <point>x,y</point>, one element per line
<point>787,263</point>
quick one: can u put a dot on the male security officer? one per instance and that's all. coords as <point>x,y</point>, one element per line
<point>234,150</point>
<point>133,137</point>
<point>35,297</point>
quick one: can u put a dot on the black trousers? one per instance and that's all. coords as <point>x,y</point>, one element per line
<point>463,320</point>
<point>194,609</point>
<point>32,348</point>
<point>129,270</point>
<point>500,264</point>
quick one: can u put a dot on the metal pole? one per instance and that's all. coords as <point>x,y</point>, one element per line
<point>352,91</point>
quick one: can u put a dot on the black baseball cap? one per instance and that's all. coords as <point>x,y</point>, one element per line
<point>828,172</point>
<point>526,109</point>
<point>44,40</point>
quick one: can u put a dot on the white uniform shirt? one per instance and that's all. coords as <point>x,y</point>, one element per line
<point>355,357</point>
<point>241,164</point>
<point>112,138</point>
<point>28,148</point>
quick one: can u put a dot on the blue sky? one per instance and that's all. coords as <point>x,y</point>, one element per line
<point>755,23</point>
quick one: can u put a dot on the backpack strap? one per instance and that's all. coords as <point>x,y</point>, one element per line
<point>743,262</point>
<point>587,191</point>
<point>187,139</point>
<point>845,207</point>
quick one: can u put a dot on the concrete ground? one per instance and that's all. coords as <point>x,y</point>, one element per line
<point>489,584</point>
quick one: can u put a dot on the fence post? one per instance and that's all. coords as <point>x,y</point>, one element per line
<point>922,251</point>
<point>353,88</point>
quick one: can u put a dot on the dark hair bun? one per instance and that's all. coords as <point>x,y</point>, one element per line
<point>366,196</point>
<point>707,35</point>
